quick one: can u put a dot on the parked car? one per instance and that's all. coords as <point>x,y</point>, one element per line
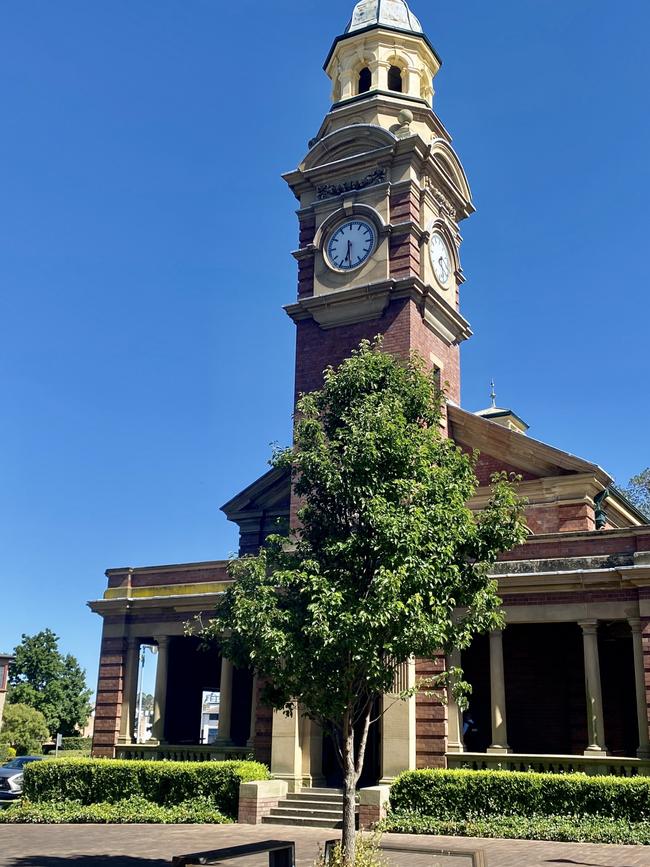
<point>11,777</point>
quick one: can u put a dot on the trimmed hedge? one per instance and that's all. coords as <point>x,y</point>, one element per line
<point>563,829</point>
<point>131,811</point>
<point>167,784</point>
<point>460,794</point>
<point>76,743</point>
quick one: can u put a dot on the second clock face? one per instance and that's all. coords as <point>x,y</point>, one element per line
<point>351,244</point>
<point>440,258</point>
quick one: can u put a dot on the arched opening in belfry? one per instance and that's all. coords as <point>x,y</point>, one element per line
<point>395,81</point>
<point>365,80</point>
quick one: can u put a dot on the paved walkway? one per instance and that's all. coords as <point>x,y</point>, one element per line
<point>154,846</point>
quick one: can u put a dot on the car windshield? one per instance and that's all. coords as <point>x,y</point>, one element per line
<point>20,762</point>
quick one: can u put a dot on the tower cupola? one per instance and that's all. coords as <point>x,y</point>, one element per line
<point>387,13</point>
<point>383,50</point>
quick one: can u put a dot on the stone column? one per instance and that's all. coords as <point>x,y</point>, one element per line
<point>643,751</point>
<point>286,750</point>
<point>382,74</point>
<point>225,701</point>
<point>250,743</point>
<point>129,691</point>
<point>312,753</point>
<point>498,695</point>
<point>455,743</point>
<point>398,726</point>
<point>595,723</point>
<point>160,692</point>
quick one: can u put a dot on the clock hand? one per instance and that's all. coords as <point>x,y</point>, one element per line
<point>348,254</point>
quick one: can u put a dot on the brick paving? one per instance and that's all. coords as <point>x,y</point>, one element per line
<point>154,846</point>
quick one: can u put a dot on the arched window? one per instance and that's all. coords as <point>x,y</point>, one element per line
<point>365,80</point>
<point>395,79</point>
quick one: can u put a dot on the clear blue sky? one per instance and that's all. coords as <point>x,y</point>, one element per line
<point>145,238</point>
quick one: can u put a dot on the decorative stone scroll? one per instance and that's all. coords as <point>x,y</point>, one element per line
<point>327,191</point>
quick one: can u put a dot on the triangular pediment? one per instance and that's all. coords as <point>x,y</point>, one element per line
<point>270,493</point>
<point>515,452</point>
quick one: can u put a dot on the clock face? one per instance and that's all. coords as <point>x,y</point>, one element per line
<point>440,258</point>
<point>351,244</point>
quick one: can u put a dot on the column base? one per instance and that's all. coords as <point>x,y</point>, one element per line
<point>496,750</point>
<point>124,742</point>
<point>294,784</point>
<point>643,753</point>
<point>310,781</point>
<point>455,748</point>
<point>596,751</point>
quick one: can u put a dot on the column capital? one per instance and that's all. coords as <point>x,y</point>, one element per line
<point>589,627</point>
<point>132,641</point>
<point>635,625</point>
<point>161,640</point>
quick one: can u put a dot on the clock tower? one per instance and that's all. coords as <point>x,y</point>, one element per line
<point>381,194</point>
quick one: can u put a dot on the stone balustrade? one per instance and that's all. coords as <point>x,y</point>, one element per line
<point>182,752</point>
<point>593,765</point>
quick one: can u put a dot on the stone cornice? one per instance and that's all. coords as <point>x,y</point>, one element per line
<point>364,303</point>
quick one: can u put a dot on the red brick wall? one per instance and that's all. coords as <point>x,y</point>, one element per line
<point>263,730</point>
<point>488,465</point>
<point>108,708</point>
<point>589,544</point>
<point>403,330</point>
<point>404,248</point>
<point>430,718</point>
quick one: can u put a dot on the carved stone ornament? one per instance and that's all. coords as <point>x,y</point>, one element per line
<point>378,176</point>
<point>445,205</point>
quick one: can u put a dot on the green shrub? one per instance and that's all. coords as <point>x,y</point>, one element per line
<point>480,794</point>
<point>565,829</point>
<point>95,781</point>
<point>134,810</point>
<point>24,728</point>
<point>76,743</point>
<point>6,753</point>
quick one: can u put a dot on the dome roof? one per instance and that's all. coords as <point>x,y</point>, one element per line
<point>389,13</point>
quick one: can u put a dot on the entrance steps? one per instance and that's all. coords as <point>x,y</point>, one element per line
<point>309,808</point>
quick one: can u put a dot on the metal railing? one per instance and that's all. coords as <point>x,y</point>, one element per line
<point>594,765</point>
<point>281,854</point>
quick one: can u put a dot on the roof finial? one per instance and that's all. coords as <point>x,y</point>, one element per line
<point>493,395</point>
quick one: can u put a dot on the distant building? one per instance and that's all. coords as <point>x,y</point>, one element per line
<point>5,660</point>
<point>210,718</point>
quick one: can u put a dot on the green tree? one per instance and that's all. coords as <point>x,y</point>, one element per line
<point>638,491</point>
<point>51,682</point>
<point>386,556</point>
<point>24,728</point>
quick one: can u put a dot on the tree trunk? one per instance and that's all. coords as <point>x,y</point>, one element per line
<point>349,841</point>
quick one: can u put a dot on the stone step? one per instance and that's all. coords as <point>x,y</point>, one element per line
<point>307,797</point>
<point>315,812</point>
<point>324,791</point>
<point>302,822</point>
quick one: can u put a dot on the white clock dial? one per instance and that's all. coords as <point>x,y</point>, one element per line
<point>351,244</point>
<point>440,258</point>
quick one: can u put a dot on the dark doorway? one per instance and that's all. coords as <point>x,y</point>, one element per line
<point>619,689</point>
<point>192,671</point>
<point>477,718</point>
<point>545,688</point>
